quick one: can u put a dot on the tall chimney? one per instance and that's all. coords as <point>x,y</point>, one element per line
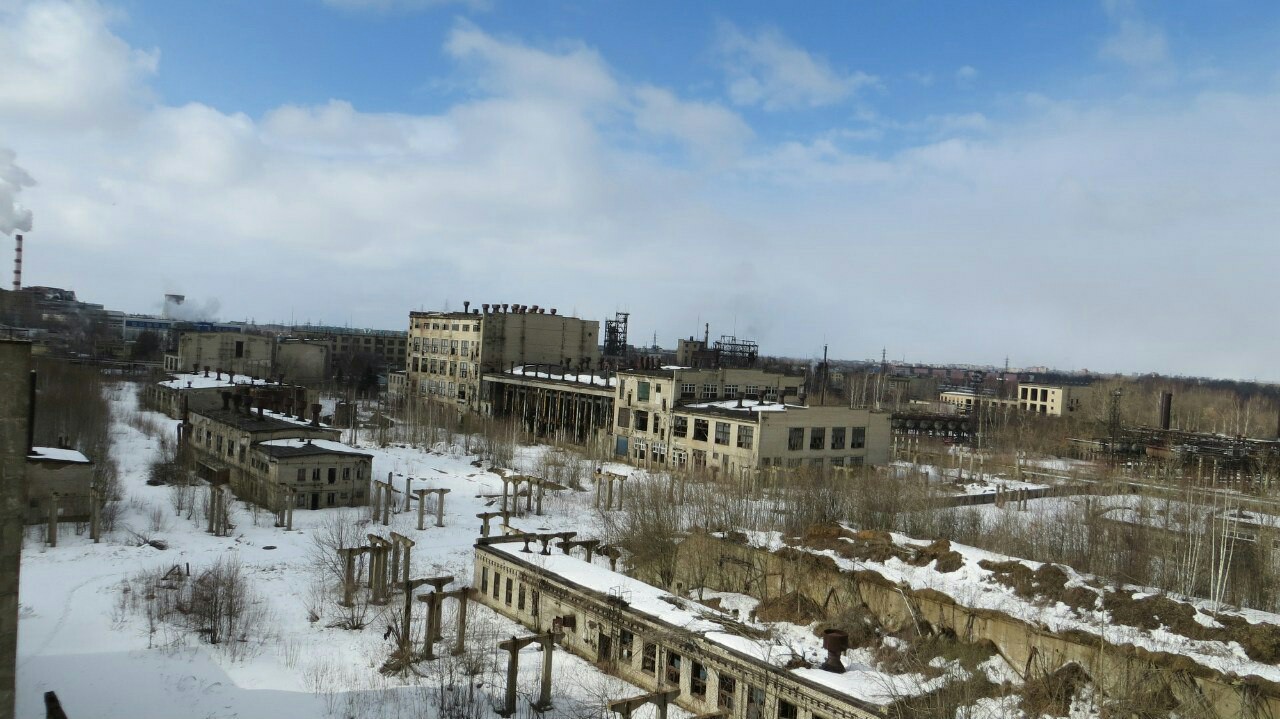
<point>17,263</point>
<point>1166,409</point>
<point>466,306</point>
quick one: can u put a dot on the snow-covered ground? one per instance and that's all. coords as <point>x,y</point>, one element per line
<point>76,638</point>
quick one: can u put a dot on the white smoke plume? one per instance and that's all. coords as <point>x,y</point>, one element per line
<point>13,216</point>
<point>190,310</point>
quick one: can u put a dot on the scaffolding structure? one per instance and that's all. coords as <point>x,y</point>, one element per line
<point>615,335</point>
<point>735,353</point>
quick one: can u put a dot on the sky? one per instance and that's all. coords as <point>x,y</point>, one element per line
<point>1067,184</point>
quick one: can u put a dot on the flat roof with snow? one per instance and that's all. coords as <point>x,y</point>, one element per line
<point>54,454</point>
<point>308,447</point>
<point>200,381</point>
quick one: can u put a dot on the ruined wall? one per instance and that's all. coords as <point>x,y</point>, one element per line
<point>15,369</point>
<point>726,565</point>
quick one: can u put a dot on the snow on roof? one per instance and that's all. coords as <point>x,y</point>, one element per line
<point>302,446</point>
<point>53,454</point>
<point>748,405</point>
<point>858,683</point>
<point>199,381</point>
<point>973,586</point>
<point>290,418</point>
<point>566,377</point>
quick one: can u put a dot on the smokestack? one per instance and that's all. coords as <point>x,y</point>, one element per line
<point>466,306</point>
<point>706,335</point>
<point>1166,409</point>
<point>315,415</point>
<point>17,262</point>
<point>206,370</point>
<point>486,307</point>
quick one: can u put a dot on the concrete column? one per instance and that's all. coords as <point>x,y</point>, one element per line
<point>428,649</point>
<point>395,561</point>
<point>608,501</point>
<point>461,645</point>
<point>51,536</point>
<point>513,673</point>
<point>422,507</point>
<point>386,504</point>
<point>440,506</point>
<point>406,621</point>
<point>541,492</point>
<point>544,690</point>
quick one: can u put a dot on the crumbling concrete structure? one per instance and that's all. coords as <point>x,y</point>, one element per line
<point>17,388</point>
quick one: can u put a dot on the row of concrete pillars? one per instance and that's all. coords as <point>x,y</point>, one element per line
<point>384,500</point>
<point>220,499</point>
<point>95,517</point>
<point>604,483</point>
<point>535,491</point>
<point>546,642</point>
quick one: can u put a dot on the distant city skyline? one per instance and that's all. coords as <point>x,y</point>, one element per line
<point>1074,185</point>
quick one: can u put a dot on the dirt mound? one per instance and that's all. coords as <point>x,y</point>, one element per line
<point>792,607</point>
<point>948,559</point>
<point>1154,612</point>
<point>1048,582</point>
<point>1051,694</point>
<point>1260,641</point>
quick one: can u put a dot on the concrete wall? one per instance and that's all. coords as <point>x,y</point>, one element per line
<point>233,352</point>
<point>724,565</point>
<point>349,489</point>
<point>302,362</point>
<point>71,480</point>
<point>15,368</point>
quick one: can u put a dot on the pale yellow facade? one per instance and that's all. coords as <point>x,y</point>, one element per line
<point>449,352</point>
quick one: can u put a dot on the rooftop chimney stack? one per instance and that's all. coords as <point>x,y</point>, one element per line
<point>315,415</point>
<point>466,306</point>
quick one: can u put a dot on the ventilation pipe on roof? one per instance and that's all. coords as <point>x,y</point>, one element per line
<point>553,311</point>
<point>466,306</point>
<point>486,307</point>
<point>315,415</point>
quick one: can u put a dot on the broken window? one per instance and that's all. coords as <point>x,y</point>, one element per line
<point>681,427</point>
<point>625,641</point>
<point>700,430</point>
<point>746,436</point>
<point>837,437</point>
<point>333,475</point>
<point>673,668</point>
<point>642,421</point>
<point>688,390</point>
<point>302,474</point>
<point>818,438</point>
<point>725,691</point>
<point>857,437</point>
<point>624,418</point>
<point>698,680</point>
<point>795,438</point>
<point>731,391</point>
<point>708,391</point>
<point>649,658</point>
<point>787,710</point>
<point>642,391</point>
<point>722,433</point>
<point>753,391</point>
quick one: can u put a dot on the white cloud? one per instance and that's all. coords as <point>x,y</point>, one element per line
<point>707,129</point>
<point>62,65</point>
<point>13,216</point>
<point>1096,232</point>
<point>966,74</point>
<point>1134,41</point>
<point>769,70</point>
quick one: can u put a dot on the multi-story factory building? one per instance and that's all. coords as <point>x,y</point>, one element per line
<point>450,352</point>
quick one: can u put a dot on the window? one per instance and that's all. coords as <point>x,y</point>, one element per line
<point>462,370</point>
<point>239,348</point>
<point>642,421</point>
<point>837,437</point>
<point>520,598</point>
<point>699,458</point>
<point>638,449</point>
<point>624,418</point>
<point>688,390</point>
<point>658,452</point>
<point>787,710</point>
<point>649,657</point>
<point>855,461</point>
<point>330,499</point>
<point>753,391</point>
<point>497,584</point>
<point>724,693</point>
<point>453,345</point>
<point>642,391</point>
<point>837,461</point>
<point>346,474</point>
<point>333,475</point>
<point>700,430</point>
<point>857,437</point>
<point>315,474</point>
<point>625,640</point>
<point>484,580</point>
<point>698,680</point>
<point>1022,393</point>
<point>746,436</point>
<point>793,463</point>
<point>466,347</point>
<point>680,428</point>
<point>818,438</point>
<point>679,457</point>
<point>302,474</point>
<point>672,674</point>
<point>722,433</point>
<point>731,391</point>
<point>795,438</point>
<point>231,448</point>
<point>218,445</point>
<point>708,391</point>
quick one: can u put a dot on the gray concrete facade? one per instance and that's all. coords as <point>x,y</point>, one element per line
<point>15,372</point>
